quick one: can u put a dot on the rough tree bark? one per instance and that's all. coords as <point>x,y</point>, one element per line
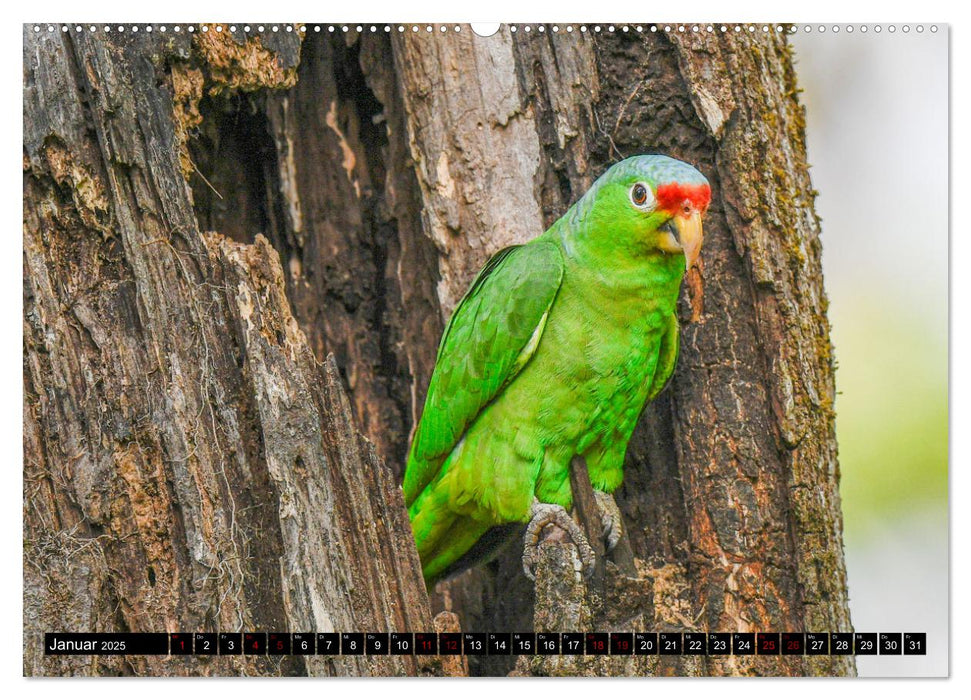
<point>189,466</point>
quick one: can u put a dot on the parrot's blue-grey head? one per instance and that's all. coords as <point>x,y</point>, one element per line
<point>649,204</point>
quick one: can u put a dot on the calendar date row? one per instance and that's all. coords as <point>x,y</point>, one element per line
<point>489,643</point>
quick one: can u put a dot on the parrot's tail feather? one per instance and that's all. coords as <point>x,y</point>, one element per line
<point>438,555</point>
<point>484,550</point>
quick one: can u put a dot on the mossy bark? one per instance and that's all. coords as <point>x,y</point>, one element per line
<point>190,466</point>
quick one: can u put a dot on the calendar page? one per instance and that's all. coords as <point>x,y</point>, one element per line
<point>523,349</point>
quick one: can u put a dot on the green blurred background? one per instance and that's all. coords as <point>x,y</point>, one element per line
<point>877,129</point>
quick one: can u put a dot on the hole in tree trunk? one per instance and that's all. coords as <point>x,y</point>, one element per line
<point>235,161</point>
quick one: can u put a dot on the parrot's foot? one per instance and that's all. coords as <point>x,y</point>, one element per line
<point>542,516</point>
<point>613,524</point>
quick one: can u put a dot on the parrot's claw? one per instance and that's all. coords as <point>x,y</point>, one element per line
<point>542,516</point>
<point>613,524</point>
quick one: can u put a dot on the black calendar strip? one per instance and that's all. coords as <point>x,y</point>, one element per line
<point>491,643</point>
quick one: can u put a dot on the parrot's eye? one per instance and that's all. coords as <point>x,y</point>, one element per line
<point>641,196</point>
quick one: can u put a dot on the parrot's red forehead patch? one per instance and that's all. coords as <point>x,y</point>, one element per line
<point>672,196</point>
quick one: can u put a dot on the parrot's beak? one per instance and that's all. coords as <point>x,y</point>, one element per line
<point>683,233</point>
<point>690,234</point>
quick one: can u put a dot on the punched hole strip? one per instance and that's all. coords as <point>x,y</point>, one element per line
<point>486,30</point>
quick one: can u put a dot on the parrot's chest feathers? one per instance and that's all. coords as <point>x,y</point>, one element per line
<point>607,342</point>
<point>619,374</point>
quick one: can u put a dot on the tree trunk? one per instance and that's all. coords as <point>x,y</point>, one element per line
<point>188,464</point>
<point>190,467</point>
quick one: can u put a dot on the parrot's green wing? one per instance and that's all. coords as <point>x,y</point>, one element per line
<point>492,334</point>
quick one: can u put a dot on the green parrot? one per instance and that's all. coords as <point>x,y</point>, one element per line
<point>553,352</point>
